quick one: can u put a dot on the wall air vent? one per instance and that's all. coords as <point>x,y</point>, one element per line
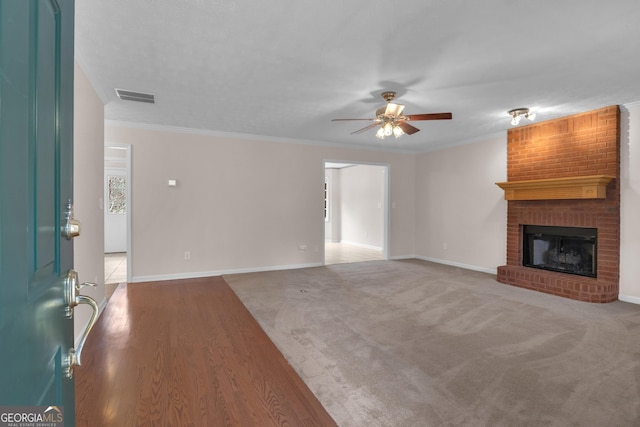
<point>128,95</point>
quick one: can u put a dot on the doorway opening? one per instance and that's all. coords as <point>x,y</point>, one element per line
<point>117,216</point>
<point>356,212</point>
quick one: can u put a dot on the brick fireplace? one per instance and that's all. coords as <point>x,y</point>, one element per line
<point>565,172</point>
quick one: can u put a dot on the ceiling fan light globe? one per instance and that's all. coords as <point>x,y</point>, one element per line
<point>397,131</point>
<point>380,133</point>
<point>388,129</point>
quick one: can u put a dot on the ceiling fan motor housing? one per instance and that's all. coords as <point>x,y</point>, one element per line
<point>389,96</point>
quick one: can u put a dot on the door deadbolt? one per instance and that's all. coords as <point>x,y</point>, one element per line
<point>71,227</point>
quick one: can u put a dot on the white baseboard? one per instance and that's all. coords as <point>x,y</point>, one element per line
<point>102,305</point>
<point>493,271</point>
<point>195,275</point>
<point>629,298</point>
<point>401,257</point>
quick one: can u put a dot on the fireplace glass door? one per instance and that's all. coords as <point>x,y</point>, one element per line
<point>569,250</point>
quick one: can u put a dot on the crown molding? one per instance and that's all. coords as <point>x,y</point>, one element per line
<point>245,136</point>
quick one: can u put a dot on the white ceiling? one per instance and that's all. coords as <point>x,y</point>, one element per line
<point>283,69</point>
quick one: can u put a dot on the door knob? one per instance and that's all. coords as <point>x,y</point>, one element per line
<point>73,299</point>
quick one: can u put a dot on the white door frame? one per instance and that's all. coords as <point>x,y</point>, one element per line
<point>115,225</point>
<point>128,148</point>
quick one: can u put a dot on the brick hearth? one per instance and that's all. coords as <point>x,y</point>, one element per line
<point>580,145</point>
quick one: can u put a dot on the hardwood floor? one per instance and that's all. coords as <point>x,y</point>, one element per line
<point>187,353</point>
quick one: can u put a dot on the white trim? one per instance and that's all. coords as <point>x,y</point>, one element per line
<point>195,275</point>
<point>236,135</point>
<point>493,271</point>
<point>386,232</point>
<point>102,306</point>
<point>387,211</point>
<point>631,104</point>
<point>401,257</point>
<point>127,159</point>
<point>353,163</point>
<point>488,137</point>
<point>629,298</point>
<point>327,199</point>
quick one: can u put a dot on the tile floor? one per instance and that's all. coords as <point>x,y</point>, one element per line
<point>115,267</point>
<point>115,271</point>
<point>339,253</point>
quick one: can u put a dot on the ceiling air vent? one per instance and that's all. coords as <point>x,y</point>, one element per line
<point>128,95</point>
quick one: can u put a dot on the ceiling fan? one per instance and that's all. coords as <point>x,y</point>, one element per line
<point>393,122</point>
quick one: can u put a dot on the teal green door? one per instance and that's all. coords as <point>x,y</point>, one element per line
<point>36,149</point>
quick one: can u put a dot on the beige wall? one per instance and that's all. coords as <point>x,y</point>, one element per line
<point>240,204</point>
<point>630,203</point>
<point>362,204</point>
<point>88,149</point>
<point>461,215</point>
<point>247,204</point>
<point>458,204</point>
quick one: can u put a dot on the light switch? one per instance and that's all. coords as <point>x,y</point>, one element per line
<point>172,183</point>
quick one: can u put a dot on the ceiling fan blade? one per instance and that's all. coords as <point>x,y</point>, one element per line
<point>433,116</point>
<point>364,129</point>
<point>393,109</point>
<point>344,120</point>
<point>407,128</point>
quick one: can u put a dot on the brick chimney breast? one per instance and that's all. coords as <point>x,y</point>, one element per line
<point>576,146</point>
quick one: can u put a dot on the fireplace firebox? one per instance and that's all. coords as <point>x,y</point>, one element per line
<point>570,250</point>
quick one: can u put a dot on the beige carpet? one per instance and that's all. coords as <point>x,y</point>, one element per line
<point>412,343</point>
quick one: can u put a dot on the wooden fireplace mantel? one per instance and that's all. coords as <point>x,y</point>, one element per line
<point>579,187</point>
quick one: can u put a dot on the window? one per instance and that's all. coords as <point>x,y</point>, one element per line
<point>326,199</point>
<point>117,194</point>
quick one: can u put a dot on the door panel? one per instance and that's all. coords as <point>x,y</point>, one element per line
<point>43,146</point>
<point>36,128</point>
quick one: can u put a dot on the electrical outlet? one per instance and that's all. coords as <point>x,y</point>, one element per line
<point>187,255</point>
<point>302,248</point>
